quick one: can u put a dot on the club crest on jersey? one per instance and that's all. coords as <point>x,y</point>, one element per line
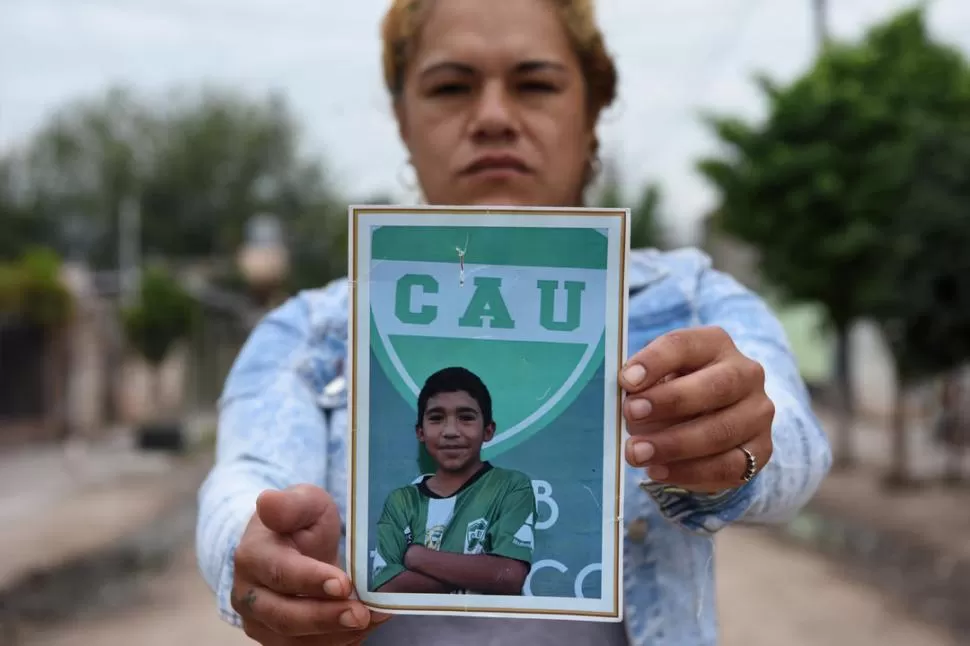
<point>432,539</point>
<point>488,305</point>
<point>475,536</point>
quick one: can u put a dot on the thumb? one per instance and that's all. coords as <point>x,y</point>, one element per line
<point>307,515</point>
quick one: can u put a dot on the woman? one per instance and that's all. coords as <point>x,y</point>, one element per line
<point>497,102</point>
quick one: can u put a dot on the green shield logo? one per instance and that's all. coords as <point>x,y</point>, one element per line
<point>522,307</point>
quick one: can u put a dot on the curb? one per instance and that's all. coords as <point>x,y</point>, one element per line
<point>107,577</point>
<point>933,584</point>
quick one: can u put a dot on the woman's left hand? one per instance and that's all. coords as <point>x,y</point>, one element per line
<point>694,406</point>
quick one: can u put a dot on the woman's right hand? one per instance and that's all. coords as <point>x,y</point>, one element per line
<point>288,588</point>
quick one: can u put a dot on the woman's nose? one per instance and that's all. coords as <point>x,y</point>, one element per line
<point>494,114</point>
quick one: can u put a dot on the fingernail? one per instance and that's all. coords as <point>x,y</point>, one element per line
<point>634,374</point>
<point>658,472</point>
<point>334,588</point>
<point>349,620</point>
<point>642,451</point>
<point>640,408</point>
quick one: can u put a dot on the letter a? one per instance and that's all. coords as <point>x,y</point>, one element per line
<point>487,301</point>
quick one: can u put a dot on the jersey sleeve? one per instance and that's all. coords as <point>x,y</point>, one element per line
<point>512,535</point>
<point>393,538</point>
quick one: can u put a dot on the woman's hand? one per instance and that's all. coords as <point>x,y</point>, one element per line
<point>694,406</point>
<point>288,588</point>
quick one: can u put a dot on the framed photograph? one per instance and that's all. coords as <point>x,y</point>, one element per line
<point>486,430</point>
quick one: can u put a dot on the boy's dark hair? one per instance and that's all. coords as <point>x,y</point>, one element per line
<point>452,380</point>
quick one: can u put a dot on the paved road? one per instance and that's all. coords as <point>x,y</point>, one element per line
<point>769,594</point>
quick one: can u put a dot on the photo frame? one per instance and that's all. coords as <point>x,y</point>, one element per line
<point>486,433</point>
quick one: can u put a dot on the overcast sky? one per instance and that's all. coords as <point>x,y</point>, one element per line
<point>675,57</point>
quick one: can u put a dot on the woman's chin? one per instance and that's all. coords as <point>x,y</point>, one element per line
<point>497,194</point>
<point>506,198</point>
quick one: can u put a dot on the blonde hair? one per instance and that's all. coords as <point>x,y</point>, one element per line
<point>404,19</point>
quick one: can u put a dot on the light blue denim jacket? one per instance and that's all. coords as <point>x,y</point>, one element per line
<point>283,421</point>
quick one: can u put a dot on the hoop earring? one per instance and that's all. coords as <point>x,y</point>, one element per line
<point>408,180</point>
<point>595,167</point>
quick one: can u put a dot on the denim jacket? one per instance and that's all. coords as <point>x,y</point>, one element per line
<point>283,421</point>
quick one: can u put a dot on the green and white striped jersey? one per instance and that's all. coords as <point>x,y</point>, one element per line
<point>493,513</point>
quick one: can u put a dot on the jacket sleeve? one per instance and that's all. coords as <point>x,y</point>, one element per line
<point>802,455</point>
<point>271,435</point>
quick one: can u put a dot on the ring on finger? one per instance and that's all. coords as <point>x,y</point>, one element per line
<point>750,465</point>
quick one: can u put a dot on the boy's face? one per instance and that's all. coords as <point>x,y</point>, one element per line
<point>453,430</point>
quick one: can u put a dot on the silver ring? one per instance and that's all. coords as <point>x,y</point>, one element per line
<point>751,465</point>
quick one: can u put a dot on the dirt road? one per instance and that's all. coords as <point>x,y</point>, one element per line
<point>769,594</point>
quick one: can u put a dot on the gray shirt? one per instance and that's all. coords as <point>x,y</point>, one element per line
<point>478,631</point>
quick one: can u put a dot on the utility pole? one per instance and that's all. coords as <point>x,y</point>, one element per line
<point>129,250</point>
<point>820,11</point>
<point>844,449</point>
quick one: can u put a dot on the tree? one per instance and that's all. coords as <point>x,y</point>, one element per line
<point>646,229</point>
<point>164,315</point>
<point>320,243</point>
<point>198,163</point>
<point>32,291</point>
<point>22,229</point>
<point>83,163</point>
<point>816,187</point>
<point>924,306</point>
<point>224,158</point>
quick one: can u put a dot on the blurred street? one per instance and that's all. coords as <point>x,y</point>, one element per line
<point>769,594</point>
<point>134,511</point>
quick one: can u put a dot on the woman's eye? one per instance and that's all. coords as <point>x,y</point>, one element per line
<point>446,89</point>
<point>537,86</point>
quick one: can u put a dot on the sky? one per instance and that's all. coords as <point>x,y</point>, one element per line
<point>675,58</point>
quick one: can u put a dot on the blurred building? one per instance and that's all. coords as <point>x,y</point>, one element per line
<point>84,381</point>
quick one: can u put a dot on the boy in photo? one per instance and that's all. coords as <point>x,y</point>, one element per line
<point>469,527</point>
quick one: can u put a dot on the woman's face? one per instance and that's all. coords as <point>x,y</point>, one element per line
<point>493,108</point>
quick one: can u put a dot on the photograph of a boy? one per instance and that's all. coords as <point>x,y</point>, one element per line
<point>468,528</point>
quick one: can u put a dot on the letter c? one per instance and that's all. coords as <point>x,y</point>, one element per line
<point>402,299</point>
<point>541,565</point>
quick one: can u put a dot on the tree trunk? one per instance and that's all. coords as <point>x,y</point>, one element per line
<point>899,475</point>
<point>845,455</point>
<point>57,365</point>
<point>155,393</point>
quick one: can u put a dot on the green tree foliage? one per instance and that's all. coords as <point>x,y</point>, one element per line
<point>199,164</point>
<point>21,228</point>
<point>646,219</point>
<point>82,163</point>
<point>924,303</point>
<point>223,159</point>
<point>31,290</point>
<point>816,188</point>
<point>164,315</point>
<point>646,228</point>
